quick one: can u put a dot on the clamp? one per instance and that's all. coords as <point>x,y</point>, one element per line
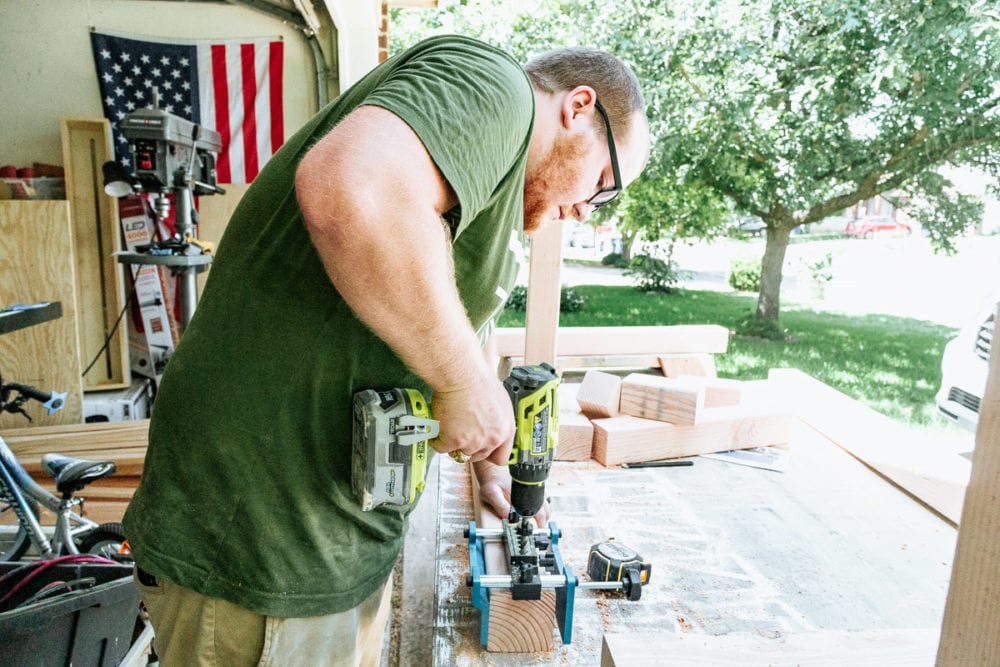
<point>551,572</point>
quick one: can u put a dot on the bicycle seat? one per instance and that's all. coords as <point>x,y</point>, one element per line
<point>73,474</point>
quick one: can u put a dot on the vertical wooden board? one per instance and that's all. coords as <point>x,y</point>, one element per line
<point>36,265</point>
<point>970,634</point>
<point>86,146</point>
<point>214,212</point>
<point>541,319</point>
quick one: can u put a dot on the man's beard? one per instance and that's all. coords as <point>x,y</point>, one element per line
<point>559,167</point>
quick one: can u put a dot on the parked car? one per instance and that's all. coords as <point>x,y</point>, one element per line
<point>752,225</point>
<point>868,227</point>
<point>964,368</point>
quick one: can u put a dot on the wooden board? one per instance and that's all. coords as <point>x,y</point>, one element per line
<point>86,146</point>
<point>123,443</point>
<point>631,439</point>
<point>599,394</point>
<point>36,265</point>
<point>907,456</point>
<point>516,626</point>
<point>541,318</point>
<point>873,648</point>
<point>576,437</point>
<point>214,212</point>
<point>662,398</point>
<point>971,631</point>
<point>701,364</point>
<point>603,341</point>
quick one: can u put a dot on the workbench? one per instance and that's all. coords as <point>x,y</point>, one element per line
<point>736,551</point>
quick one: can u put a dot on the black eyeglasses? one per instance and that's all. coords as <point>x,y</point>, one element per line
<point>605,195</point>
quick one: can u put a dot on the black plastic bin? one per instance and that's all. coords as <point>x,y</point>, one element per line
<point>93,626</point>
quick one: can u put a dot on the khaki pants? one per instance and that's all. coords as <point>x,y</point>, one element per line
<point>191,629</point>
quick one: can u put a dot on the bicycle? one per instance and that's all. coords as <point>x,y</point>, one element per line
<point>20,496</point>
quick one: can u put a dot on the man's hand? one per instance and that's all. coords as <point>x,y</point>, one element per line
<point>494,491</point>
<point>476,420</point>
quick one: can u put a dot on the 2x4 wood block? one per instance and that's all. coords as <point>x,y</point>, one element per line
<point>628,439</point>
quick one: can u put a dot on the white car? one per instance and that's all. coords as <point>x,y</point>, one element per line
<point>964,368</point>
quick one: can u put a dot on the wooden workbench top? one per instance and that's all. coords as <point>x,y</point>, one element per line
<point>827,545</point>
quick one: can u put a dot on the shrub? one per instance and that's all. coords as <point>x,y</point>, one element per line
<point>652,273</point>
<point>744,274</point>
<point>570,300</point>
<point>518,299</point>
<point>615,259</point>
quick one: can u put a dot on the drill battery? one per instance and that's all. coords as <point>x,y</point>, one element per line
<point>390,434</point>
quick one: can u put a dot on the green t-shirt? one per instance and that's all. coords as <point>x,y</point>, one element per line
<point>246,492</point>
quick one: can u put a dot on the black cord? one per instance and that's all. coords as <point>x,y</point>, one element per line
<point>111,334</point>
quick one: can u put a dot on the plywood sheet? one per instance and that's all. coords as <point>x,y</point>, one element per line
<point>907,456</point>
<point>881,648</point>
<point>36,265</point>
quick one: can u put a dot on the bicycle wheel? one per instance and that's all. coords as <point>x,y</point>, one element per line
<point>106,541</point>
<point>14,540</point>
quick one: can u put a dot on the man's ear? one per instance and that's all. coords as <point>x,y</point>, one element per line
<point>578,104</point>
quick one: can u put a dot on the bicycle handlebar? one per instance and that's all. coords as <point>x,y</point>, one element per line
<point>52,401</point>
<point>30,392</point>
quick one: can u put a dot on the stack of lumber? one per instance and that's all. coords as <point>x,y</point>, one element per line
<point>123,443</point>
<point>644,417</point>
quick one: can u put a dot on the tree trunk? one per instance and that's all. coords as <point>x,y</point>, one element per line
<point>769,301</point>
<point>627,240</point>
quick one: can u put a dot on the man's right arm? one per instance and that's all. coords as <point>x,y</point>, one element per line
<point>372,199</point>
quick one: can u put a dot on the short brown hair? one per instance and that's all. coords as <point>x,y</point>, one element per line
<point>616,84</point>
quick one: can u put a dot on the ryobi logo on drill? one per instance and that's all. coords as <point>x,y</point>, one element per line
<point>539,434</point>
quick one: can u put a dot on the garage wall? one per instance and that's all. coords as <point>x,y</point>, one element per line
<point>48,70</point>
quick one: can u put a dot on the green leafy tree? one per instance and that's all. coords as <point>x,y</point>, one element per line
<point>798,109</point>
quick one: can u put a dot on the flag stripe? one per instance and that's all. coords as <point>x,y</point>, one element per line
<point>276,63</point>
<point>262,109</point>
<point>220,93</point>
<point>234,98</point>
<point>249,112</point>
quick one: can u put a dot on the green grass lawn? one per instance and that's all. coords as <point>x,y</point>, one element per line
<point>892,364</point>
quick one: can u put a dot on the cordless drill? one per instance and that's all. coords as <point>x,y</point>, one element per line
<point>532,391</point>
<point>392,428</point>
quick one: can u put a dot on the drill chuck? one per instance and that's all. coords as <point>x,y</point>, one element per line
<point>526,499</point>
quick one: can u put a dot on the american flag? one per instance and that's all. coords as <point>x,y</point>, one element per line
<point>232,87</point>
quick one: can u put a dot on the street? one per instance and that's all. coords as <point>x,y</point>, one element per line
<point>890,276</point>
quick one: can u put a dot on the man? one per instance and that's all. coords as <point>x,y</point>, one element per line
<point>374,250</point>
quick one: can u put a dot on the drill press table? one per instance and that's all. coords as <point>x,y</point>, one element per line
<point>827,545</point>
